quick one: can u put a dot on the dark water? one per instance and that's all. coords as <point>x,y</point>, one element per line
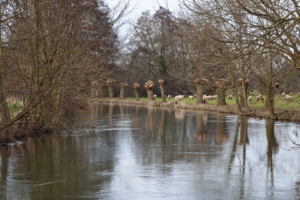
<point>150,153</point>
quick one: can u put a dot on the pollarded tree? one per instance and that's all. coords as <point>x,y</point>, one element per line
<point>200,83</point>
<point>149,86</point>
<point>122,90</point>
<point>162,91</point>
<point>94,92</point>
<point>221,84</point>
<point>101,85</point>
<point>110,84</point>
<point>136,87</point>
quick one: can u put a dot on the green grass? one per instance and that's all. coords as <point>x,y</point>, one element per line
<point>13,107</point>
<point>280,103</point>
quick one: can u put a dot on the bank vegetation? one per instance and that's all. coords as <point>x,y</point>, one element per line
<point>54,54</point>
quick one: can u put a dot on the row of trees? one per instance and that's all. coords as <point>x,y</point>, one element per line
<point>253,44</point>
<point>49,53</point>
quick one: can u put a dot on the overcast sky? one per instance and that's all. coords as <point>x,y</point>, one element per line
<point>141,6</point>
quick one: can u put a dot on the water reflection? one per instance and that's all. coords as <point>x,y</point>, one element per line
<point>149,120</point>
<point>221,136</point>
<point>153,153</point>
<point>162,123</point>
<point>201,135</point>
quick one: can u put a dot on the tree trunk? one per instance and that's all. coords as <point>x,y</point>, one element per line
<point>101,92</point>
<point>199,97</point>
<point>235,90</point>
<point>221,97</point>
<point>137,98</point>
<point>111,92</point>
<point>5,117</point>
<point>162,91</point>
<point>242,99</point>
<point>150,95</point>
<point>122,93</point>
<point>4,111</point>
<point>237,102</point>
<point>96,91</point>
<point>92,92</point>
<point>269,103</point>
<point>244,94</point>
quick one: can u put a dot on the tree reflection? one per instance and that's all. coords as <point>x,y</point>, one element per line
<point>122,113</point>
<point>136,120</point>
<point>200,134</point>
<point>221,136</point>
<point>149,120</point>
<point>110,115</point>
<point>234,145</point>
<point>73,164</point>
<point>5,155</point>
<point>93,110</point>
<point>180,147</point>
<point>243,140</point>
<point>273,147</point>
<point>244,131</point>
<point>100,111</point>
<point>162,123</point>
<point>179,114</point>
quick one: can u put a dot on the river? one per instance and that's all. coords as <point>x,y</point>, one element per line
<point>153,153</point>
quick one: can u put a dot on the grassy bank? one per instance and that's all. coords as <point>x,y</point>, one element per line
<point>280,103</point>
<point>284,110</point>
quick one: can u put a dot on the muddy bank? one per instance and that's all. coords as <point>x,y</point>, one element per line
<point>286,115</point>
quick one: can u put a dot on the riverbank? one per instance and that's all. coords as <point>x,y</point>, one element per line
<point>281,114</point>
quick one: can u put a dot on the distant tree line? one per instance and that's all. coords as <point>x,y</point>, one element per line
<point>236,40</point>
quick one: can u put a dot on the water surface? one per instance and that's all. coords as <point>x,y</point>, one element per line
<point>152,153</point>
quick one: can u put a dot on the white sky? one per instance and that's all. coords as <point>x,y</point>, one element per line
<point>141,6</point>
